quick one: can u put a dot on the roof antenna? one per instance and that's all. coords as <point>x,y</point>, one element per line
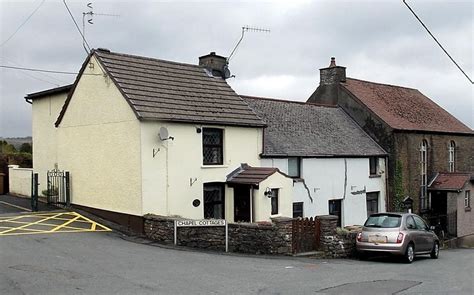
<point>90,14</point>
<point>246,29</point>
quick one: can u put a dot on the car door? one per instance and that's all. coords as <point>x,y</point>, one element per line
<point>414,232</point>
<point>422,228</point>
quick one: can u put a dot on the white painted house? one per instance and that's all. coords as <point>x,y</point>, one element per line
<point>108,132</point>
<point>337,168</point>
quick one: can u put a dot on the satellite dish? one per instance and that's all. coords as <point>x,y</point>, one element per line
<point>226,72</point>
<point>164,135</point>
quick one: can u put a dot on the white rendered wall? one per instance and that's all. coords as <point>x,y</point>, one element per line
<point>325,180</point>
<point>262,204</point>
<point>45,111</point>
<point>19,180</point>
<point>175,176</point>
<point>99,143</point>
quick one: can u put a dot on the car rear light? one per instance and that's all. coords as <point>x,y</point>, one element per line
<point>399,238</point>
<point>359,237</point>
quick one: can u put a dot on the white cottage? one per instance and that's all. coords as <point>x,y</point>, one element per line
<point>141,135</point>
<point>336,167</point>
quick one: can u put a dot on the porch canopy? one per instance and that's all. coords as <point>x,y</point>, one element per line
<point>450,181</point>
<point>247,175</point>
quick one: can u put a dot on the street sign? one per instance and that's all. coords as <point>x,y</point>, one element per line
<point>202,222</point>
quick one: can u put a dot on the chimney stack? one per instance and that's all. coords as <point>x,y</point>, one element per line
<point>214,63</point>
<point>332,74</point>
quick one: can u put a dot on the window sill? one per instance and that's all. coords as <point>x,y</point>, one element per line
<point>375,176</point>
<point>467,209</point>
<point>214,166</point>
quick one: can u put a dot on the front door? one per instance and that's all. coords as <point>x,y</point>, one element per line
<point>335,209</point>
<point>242,203</point>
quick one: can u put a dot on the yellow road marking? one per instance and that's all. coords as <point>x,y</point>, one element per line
<point>64,227</point>
<point>23,226</point>
<point>93,222</point>
<point>15,206</point>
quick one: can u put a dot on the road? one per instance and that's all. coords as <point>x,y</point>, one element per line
<point>105,263</point>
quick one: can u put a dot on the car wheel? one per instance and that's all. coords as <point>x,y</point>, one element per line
<point>410,253</point>
<point>435,251</point>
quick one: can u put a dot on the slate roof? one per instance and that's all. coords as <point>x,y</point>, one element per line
<point>404,108</point>
<point>171,91</point>
<point>450,181</point>
<point>248,175</point>
<point>310,130</point>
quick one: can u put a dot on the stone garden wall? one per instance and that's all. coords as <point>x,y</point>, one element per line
<point>269,238</point>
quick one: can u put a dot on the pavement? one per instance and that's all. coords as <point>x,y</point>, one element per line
<point>13,204</point>
<point>77,261</point>
<point>106,263</point>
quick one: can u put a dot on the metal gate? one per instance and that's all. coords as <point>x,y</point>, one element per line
<point>58,188</point>
<point>34,192</point>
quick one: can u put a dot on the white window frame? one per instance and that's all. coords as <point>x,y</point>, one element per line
<point>451,156</point>
<point>424,204</point>
<point>467,199</point>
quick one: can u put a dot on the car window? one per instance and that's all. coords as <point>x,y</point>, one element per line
<point>420,224</point>
<point>411,223</point>
<point>383,220</point>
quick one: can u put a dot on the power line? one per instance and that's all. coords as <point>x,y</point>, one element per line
<point>439,44</point>
<point>88,49</point>
<point>22,24</point>
<point>45,71</point>
<point>35,77</point>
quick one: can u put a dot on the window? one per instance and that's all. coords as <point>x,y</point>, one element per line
<point>212,146</point>
<point>372,203</point>
<point>424,179</point>
<point>467,199</point>
<point>214,201</point>
<point>420,223</point>
<point>373,165</point>
<point>411,223</point>
<point>274,200</point>
<point>383,221</point>
<point>297,209</point>
<point>452,156</point>
<point>294,167</point>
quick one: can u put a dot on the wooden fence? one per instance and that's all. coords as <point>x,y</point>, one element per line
<point>306,234</point>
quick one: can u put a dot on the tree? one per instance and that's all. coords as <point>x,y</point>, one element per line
<point>6,148</point>
<point>25,148</point>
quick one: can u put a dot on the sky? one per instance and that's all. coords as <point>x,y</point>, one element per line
<point>377,40</point>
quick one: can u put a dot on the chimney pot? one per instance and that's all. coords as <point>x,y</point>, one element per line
<point>333,62</point>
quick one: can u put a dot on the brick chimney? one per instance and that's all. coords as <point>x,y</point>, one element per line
<point>214,63</point>
<point>332,74</point>
<point>328,89</point>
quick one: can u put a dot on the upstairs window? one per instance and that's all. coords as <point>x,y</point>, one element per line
<point>423,175</point>
<point>294,167</point>
<point>212,146</point>
<point>452,156</point>
<point>373,166</point>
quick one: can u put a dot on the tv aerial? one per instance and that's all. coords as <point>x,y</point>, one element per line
<point>90,20</point>
<point>244,30</point>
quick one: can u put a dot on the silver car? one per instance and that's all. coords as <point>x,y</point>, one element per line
<point>403,234</point>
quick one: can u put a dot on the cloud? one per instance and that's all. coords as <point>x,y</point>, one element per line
<point>376,40</point>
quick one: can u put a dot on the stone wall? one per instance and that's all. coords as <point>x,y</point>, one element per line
<point>340,245</point>
<point>256,238</point>
<point>262,238</point>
